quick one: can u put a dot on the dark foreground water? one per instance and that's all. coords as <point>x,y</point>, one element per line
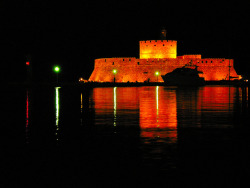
<point>125,136</point>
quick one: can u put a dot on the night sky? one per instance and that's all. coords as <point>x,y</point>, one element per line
<point>73,34</point>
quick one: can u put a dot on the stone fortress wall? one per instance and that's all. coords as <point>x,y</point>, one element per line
<point>159,56</point>
<point>140,70</point>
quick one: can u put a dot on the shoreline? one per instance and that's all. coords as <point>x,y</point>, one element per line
<point>128,84</point>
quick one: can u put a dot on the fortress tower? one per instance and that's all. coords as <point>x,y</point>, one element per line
<point>158,48</point>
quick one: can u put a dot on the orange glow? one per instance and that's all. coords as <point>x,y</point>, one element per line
<point>159,55</point>
<point>82,80</point>
<point>219,98</point>
<point>158,49</point>
<point>111,103</point>
<point>158,113</point>
<point>109,99</point>
<point>156,106</point>
<point>217,102</point>
<point>140,70</point>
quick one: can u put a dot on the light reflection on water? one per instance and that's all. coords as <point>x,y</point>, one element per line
<point>57,109</point>
<point>156,111</point>
<point>164,108</point>
<point>27,124</point>
<point>140,132</point>
<point>162,113</point>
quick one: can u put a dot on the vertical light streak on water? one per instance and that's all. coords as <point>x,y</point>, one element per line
<point>115,106</point>
<point>81,102</point>
<point>57,106</point>
<point>246,93</point>
<point>247,97</point>
<point>157,105</point>
<point>244,96</point>
<point>27,110</point>
<point>157,100</point>
<point>27,117</point>
<point>81,109</point>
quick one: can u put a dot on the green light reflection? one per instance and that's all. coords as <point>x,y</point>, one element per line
<point>57,107</point>
<point>157,105</point>
<point>157,99</point>
<point>115,106</point>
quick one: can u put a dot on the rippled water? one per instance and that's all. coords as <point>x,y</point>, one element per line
<point>123,136</point>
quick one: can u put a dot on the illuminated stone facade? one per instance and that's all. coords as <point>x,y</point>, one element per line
<point>152,49</point>
<point>159,56</point>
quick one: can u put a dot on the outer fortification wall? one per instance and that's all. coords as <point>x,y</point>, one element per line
<point>140,70</point>
<point>158,49</point>
<point>216,69</point>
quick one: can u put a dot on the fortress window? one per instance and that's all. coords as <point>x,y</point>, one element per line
<point>105,60</point>
<point>154,45</point>
<point>138,63</point>
<point>206,61</point>
<point>123,59</point>
<point>211,61</point>
<point>113,63</point>
<point>163,44</point>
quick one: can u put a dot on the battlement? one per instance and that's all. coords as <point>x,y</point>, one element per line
<point>192,56</point>
<point>158,41</point>
<point>116,59</point>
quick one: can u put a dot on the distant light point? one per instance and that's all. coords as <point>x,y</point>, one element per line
<point>57,69</point>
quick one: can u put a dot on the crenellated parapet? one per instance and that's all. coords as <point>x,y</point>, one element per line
<point>190,56</point>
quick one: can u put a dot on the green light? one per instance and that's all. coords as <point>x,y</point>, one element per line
<point>57,69</point>
<point>114,71</point>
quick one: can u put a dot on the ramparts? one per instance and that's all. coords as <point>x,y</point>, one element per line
<point>140,70</point>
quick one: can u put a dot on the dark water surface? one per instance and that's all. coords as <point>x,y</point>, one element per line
<point>125,136</point>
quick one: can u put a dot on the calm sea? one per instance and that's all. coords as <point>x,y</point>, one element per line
<point>125,136</point>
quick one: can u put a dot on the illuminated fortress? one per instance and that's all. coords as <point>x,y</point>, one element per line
<point>159,56</point>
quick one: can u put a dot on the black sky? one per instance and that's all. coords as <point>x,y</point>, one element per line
<point>73,34</point>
